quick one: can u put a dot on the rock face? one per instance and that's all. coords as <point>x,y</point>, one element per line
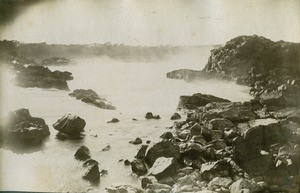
<point>91,97</point>
<point>138,167</point>
<point>21,127</point>
<point>70,126</point>
<point>198,100</point>
<point>164,167</point>
<point>92,174</point>
<point>42,77</point>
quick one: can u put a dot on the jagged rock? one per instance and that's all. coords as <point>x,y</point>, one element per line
<point>124,189</point>
<point>89,162</point>
<point>22,128</point>
<point>138,167</point>
<point>167,135</point>
<point>141,154</point>
<point>114,120</point>
<point>42,77</point>
<point>149,115</point>
<point>175,116</point>
<point>197,100</point>
<point>164,167</point>
<point>91,97</point>
<point>127,162</point>
<point>106,148</point>
<point>136,141</point>
<point>70,125</point>
<point>210,170</point>
<point>83,153</point>
<point>162,149</point>
<point>92,174</point>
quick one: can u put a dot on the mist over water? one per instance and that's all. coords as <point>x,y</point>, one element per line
<point>134,88</point>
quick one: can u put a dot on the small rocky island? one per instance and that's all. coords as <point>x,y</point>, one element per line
<point>91,97</point>
<point>28,74</point>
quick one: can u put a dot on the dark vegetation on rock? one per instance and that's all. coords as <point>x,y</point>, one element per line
<point>91,97</point>
<point>22,128</point>
<point>69,127</point>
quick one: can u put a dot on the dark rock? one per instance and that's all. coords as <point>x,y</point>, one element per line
<point>148,141</point>
<point>107,148</point>
<point>149,115</point>
<point>136,141</point>
<point>89,162</point>
<point>198,100</point>
<point>91,97</point>
<point>141,154</point>
<point>22,128</point>
<point>195,129</point>
<point>42,77</point>
<point>103,172</point>
<point>167,135</point>
<point>70,125</point>
<point>134,119</point>
<point>220,124</point>
<point>114,120</point>
<point>185,74</point>
<point>83,153</point>
<point>164,167</point>
<point>138,167</point>
<point>92,174</point>
<point>175,116</point>
<point>162,149</point>
<point>220,168</point>
<point>126,162</point>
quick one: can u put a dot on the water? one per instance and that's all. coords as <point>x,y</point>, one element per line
<point>134,88</point>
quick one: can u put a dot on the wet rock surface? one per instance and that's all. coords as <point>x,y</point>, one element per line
<point>226,147</point>
<point>149,115</point>
<point>40,77</point>
<point>83,153</point>
<point>22,128</point>
<point>91,97</point>
<point>69,127</point>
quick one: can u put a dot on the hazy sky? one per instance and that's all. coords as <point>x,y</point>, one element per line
<point>154,22</point>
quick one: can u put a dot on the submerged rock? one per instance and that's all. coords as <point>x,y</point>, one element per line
<point>83,153</point>
<point>91,97</point>
<point>22,128</point>
<point>149,115</point>
<point>70,126</point>
<point>136,141</point>
<point>114,120</point>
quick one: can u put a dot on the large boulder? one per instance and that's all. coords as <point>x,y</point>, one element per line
<point>92,174</point>
<point>91,97</point>
<point>138,167</point>
<point>70,125</point>
<point>162,149</point>
<point>83,153</point>
<point>164,167</point>
<point>22,127</point>
<point>198,100</point>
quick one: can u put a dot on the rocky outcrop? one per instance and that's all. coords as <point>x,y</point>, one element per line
<point>22,128</point>
<point>230,146</point>
<point>175,116</point>
<point>83,153</point>
<point>269,68</point>
<point>41,77</point>
<point>197,100</point>
<point>69,126</point>
<point>91,97</point>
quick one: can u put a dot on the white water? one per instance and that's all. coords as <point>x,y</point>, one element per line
<point>134,88</point>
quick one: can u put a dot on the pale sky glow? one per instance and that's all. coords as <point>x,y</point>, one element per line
<point>156,22</point>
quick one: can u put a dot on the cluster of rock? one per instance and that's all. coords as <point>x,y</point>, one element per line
<point>91,97</point>
<point>149,115</point>
<point>69,127</point>
<point>269,68</point>
<point>22,128</point>
<point>252,146</point>
<point>42,77</point>
<point>92,173</point>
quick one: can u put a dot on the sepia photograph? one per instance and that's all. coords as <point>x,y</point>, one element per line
<point>150,96</point>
